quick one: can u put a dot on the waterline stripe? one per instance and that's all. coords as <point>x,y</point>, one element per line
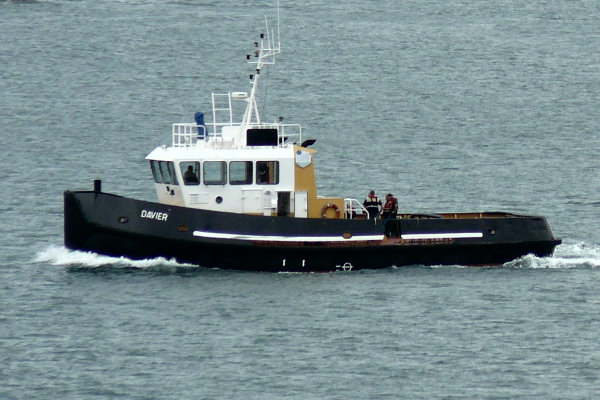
<point>270,238</point>
<point>458,235</point>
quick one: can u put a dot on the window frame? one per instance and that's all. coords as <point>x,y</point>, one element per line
<point>164,170</point>
<point>197,171</point>
<point>172,173</point>
<point>249,174</point>
<point>222,181</point>
<point>275,176</point>
<point>155,171</point>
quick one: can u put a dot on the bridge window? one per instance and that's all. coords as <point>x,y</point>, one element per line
<point>172,176</point>
<point>267,172</point>
<point>164,172</point>
<point>190,170</point>
<point>215,172</point>
<point>155,171</point>
<point>240,172</point>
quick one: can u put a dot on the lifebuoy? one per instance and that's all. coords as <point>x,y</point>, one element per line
<point>327,206</point>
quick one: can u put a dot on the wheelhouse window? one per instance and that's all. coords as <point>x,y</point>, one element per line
<point>162,166</point>
<point>155,171</point>
<point>214,172</point>
<point>240,172</point>
<point>163,172</point>
<point>172,176</point>
<point>267,172</point>
<point>190,170</point>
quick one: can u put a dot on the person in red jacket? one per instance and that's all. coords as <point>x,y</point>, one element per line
<point>390,208</point>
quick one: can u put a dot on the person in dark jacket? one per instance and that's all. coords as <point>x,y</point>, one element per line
<point>190,177</point>
<point>372,204</point>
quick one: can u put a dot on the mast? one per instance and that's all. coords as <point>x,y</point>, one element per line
<point>265,51</point>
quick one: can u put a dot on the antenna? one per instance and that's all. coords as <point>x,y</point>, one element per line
<point>278,36</point>
<point>265,51</point>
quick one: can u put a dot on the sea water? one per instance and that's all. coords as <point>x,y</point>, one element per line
<point>449,105</point>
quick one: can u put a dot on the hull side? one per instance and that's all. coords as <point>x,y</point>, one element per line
<point>118,226</point>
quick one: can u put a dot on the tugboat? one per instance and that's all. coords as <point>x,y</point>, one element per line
<point>243,196</point>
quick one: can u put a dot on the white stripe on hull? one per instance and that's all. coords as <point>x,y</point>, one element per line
<point>449,235</point>
<point>273,238</point>
<point>358,238</point>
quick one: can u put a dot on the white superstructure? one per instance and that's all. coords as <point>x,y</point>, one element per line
<point>250,166</point>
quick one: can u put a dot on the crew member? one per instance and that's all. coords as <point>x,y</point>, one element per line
<point>372,204</point>
<point>190,177</point>
<point>262,173</point>
<point>390,208</point>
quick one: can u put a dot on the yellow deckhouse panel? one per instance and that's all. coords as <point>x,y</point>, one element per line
<point>304,177</point>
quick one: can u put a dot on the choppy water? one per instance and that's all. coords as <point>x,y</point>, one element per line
<point>451,105</point>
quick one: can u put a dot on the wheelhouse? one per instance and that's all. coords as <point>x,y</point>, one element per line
<point>248,167</point>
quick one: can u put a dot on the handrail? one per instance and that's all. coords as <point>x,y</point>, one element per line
<point>353,205</point>
<point>189,134</point>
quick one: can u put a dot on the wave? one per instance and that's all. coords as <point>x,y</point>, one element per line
<point>60,255</point>
<point>567,256</point>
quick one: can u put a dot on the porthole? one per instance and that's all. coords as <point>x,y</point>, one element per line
<point>218,199</point>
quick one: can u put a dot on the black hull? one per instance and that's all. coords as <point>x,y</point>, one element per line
<point>118,226</point>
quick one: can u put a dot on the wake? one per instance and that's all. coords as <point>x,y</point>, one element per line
<point>566,256</point>
<point>61,256</point>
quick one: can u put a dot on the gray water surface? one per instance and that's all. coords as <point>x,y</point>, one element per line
<point>450,105</point>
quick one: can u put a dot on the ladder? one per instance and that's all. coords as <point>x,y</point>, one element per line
<point>221,105</point>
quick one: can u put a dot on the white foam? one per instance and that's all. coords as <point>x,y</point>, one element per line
<point>60,255</point>
<point>566,256</point>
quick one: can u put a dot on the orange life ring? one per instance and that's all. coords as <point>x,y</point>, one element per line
<point>327,206</point>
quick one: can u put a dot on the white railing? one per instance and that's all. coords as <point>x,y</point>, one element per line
<point>354,209</point>
<point>188,134</point>
<point>289,133</point>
